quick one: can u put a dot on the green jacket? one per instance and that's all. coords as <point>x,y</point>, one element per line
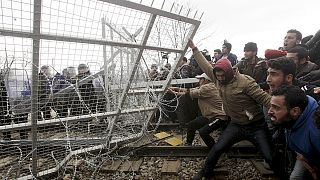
<point>242,97</point>
<point>255,68</point>
<point>306,69</point>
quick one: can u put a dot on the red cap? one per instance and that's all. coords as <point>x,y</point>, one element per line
<point>273,53</point>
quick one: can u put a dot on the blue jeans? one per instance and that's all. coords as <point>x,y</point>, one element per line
<point>256,132</point>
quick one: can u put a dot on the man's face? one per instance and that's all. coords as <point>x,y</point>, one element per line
<point>294,57</point>
<point>275,79</point>
<point>168,66</point>
<point>290,41</point>
<point>224,49</point>
<point>47,72</point>
<point>216,55</point>
<point>220,75</point>
<point>249,54</point>
<point>278,111</point>
<point>72,72</point>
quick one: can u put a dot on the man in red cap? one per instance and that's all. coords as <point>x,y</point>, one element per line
<point>242,99</point>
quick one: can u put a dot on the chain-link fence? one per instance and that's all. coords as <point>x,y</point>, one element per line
<point>80,77</point>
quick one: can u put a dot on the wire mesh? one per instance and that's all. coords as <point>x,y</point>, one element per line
<point>97,85</point>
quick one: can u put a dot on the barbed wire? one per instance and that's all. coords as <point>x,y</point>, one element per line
<point>71,120</point>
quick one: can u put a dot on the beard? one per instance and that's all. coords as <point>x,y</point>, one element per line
<point>287,122</point>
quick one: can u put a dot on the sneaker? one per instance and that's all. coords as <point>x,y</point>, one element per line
<point>265,165</point>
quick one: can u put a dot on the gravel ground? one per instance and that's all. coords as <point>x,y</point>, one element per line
<point>151,168</point>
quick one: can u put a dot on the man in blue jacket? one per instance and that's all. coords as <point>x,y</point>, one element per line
<point>294,110</point>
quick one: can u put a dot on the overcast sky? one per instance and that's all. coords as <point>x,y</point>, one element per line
<point>262,21</point>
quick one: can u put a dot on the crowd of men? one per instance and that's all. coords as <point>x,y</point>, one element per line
<point>82,98</point>
<point>267,101</point>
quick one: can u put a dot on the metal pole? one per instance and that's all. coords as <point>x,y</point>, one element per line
<point>133,71</point>
<point>106,76</point>
<point>35,79</point>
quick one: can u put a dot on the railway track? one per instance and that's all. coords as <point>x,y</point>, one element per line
<point>153,158</point>
<point>174,162</point>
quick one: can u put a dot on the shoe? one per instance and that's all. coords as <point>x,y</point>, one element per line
<point>265,165</point>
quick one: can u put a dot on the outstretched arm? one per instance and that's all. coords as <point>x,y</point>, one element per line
<point>178,91</point>
<point>202,61</point>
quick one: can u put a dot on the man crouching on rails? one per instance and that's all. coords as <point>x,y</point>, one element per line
<point>242,99</point>
<point>210,104</point>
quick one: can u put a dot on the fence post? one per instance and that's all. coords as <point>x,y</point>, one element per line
<point>35,79</point>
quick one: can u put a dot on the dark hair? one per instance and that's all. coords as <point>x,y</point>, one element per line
<point>207,56</point>
<point>301,51</point>
<point>83,66</point>
<point>228,46</point>
<point>284,64</point>
<point>293,96</point>
<point>298,33</point>
<point>250,46</point>
<point>44,67</point>
<point>218,51</point>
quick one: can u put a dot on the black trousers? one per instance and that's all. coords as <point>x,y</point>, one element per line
<point>204,126</point>
<point>256,132</point>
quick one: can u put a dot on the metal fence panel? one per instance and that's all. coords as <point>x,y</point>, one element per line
<point>75,78</point>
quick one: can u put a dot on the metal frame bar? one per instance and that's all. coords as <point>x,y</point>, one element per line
<point>34,83</point>
<point>5,32</point>
<point>72,119</point>
<point>151,10</point>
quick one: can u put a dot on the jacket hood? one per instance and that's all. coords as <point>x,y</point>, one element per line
<point>224,65</point>
<point>307,113</point>
<point>304,136</point>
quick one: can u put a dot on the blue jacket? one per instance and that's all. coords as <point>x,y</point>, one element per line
<point>232,58</point>
<point>304,136</point>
